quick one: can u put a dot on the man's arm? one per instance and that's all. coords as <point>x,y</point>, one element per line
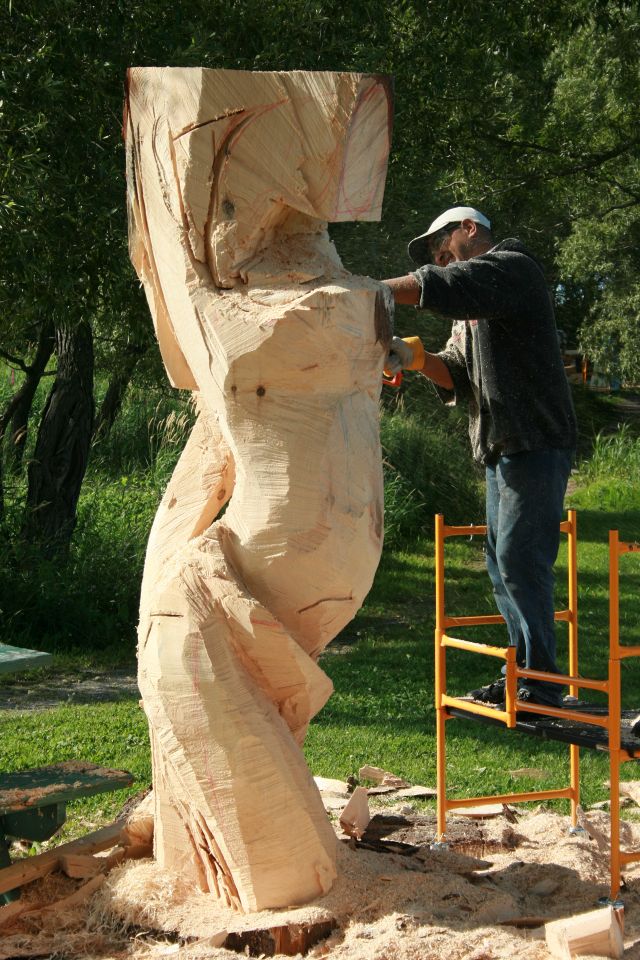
<point>436,369</point>
<point>405,289</point>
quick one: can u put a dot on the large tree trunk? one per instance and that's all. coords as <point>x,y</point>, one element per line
<point>231,179</point>
<point>5,420</point>
<point>59,462</point>
<point>114,396</point>
<point>24,397</point>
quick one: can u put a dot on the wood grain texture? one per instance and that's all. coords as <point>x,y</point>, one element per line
<point>598,933</point>
<point>231,179</point>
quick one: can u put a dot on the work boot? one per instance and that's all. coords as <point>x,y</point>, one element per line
<point>528,696</point>
<point>491,693</point>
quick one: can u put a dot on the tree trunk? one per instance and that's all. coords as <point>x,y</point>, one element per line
<point>24,397</point>
<point>112,402</point>
<point>57,470</point>
<point>5,420</point>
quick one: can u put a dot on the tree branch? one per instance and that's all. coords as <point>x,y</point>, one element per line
<point>588,161</point>
<point>14,361</point>
<point>623,188</point>
<point>618,206</point>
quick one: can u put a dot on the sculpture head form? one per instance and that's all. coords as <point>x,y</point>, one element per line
<point>259,153</point>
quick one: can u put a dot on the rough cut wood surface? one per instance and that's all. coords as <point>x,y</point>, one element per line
<point>598,933</point>
<point>231,179</point>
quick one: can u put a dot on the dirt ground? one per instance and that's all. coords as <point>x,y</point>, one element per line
<point>56,688</point>
<point>485,897</point>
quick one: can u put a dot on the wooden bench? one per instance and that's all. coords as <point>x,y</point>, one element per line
<point>33,803</point>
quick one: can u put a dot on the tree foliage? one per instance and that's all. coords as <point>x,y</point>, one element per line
<point>528,110</point>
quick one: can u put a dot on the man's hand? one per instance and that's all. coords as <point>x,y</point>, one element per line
<point>404,355</point>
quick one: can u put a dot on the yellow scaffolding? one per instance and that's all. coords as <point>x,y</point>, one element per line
<point>611,687</point>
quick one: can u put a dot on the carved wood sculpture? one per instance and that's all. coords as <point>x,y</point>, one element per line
<point>231,179</point>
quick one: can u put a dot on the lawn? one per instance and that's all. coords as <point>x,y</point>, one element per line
<point>382,668</point>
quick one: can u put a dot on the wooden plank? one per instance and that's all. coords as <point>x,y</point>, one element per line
<point>13,659</point>
<point>32,868</point>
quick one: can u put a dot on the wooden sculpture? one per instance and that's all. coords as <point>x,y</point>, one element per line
<point>231,179</point>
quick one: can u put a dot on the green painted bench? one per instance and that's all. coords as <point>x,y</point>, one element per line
<point>13,659</point>
<point>33,803</point>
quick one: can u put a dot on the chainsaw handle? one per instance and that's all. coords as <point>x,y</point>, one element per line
<point>393,381</point>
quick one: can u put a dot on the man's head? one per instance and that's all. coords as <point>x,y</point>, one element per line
<point>457,234</point>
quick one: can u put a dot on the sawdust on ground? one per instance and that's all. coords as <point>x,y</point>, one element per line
<point>428,905</point>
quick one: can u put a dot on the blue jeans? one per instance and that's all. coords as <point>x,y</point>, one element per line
<point>525,494</point>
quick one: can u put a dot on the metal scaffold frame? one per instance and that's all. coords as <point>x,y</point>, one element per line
<point>611,687</point>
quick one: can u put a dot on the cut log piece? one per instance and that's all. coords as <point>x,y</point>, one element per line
<point>593,832</point>
<point>525,923</point>
<point>334,788</point>
<point>601,831</point>
<point>231,179</point>
<point>80,866</point>
<point>355,817</point>
<point>416,792</point>
<point>382,777</point>
<point>139,823</point>
<point>598,933</point>
<point>631,789</point>
<point>334,803</point>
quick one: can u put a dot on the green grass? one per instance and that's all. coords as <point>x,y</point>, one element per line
<point>382,709</point>
<point>420,481</point>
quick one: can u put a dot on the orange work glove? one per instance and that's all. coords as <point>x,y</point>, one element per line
<point>404,354</point>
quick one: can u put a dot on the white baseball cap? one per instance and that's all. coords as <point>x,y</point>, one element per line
<point>419,246</point>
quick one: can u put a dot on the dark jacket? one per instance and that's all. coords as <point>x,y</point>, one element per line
<point>503,352</point>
